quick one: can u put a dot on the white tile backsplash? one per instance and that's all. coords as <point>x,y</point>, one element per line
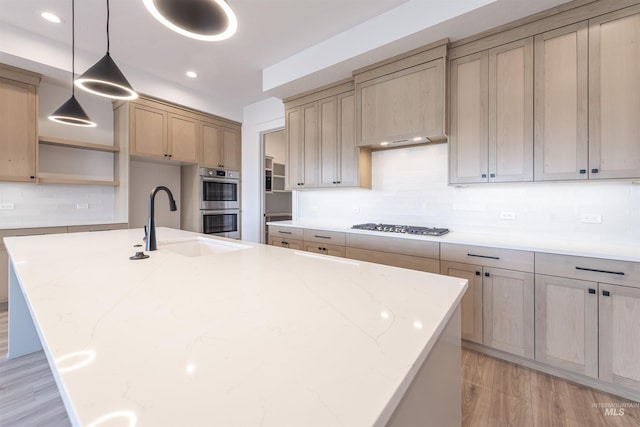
<point>51,204</point>
<point>410,187</point>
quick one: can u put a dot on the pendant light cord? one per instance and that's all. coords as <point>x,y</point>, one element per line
<point>73,47</point>
<point>108,27</point>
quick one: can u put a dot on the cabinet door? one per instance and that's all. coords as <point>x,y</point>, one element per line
<point>231,149</point>
<point>310,146</point>
<point>182,138</point>
<point>211,145</point>
<point>511,112</point>
<point>614,94</point>
<point>18,135</point>
<point>469,136</point>
<point>403,105</point>
<point>619,310</point>
<point>295,148</point>
<point>561,116</point>
<point>352,171</point>
<point>324,249</point>
<point>508,298</point>
<point>148,133</point>
<point>567,323</point>
<point>329,143</point>
<point>472,301</point>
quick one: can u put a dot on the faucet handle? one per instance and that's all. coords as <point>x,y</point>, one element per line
<point>144,239</point>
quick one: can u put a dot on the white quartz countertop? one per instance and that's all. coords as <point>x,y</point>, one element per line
<point>260,336</point>
<point>518,242</point>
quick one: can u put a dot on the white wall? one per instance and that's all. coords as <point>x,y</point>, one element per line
<point>259,118</point>
<point>410,187</point>
<point>144,177</point>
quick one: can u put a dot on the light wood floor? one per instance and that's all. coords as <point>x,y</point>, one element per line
<point>494,394</point>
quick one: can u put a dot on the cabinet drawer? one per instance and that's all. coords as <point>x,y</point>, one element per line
<point>31,231</point>
<point>394,245</point>
<point>288,232</point>
<point>323,248</point>
<point>397,260</point>
<point>331,237</point>
<point>509,259</point>
<point>593,269</point>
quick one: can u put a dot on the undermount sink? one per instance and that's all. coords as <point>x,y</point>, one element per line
<point>201,246</point>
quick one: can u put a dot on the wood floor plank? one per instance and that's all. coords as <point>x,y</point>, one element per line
<point>476,400</point>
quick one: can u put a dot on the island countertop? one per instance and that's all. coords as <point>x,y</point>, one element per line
<point>256,336</point>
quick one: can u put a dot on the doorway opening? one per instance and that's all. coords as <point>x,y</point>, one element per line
<point>277,203</point>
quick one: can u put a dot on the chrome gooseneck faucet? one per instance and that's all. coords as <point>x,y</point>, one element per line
<point>151,226</point>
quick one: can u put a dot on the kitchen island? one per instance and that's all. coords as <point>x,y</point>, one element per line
<point>211,331</point>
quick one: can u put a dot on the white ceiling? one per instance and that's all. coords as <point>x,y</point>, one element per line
<point>272,34</point>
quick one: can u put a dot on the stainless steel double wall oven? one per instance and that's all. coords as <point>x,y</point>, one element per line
<point>220,202</point>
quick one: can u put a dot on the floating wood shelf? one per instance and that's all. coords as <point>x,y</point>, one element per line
<point>77,144</point>
<point>54,180</point>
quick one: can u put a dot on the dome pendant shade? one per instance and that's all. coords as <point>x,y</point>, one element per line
<point>106,79</point>
<point>208,20</point>
<point>71,113</point>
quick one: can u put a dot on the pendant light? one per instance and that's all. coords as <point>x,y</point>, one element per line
<point>71,113</point>
<point>208,20</point>
<point>105,78</point>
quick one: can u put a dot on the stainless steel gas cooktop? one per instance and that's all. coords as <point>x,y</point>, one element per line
<point>409,229</point>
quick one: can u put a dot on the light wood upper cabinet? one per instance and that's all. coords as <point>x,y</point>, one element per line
<point>160,132</point>
<point>182,138</point>
<point>402,101</point>
<point>614,94</point>
<point>148,131</point>
<point>220,146</point>
<point>492,115</point>
<point>469,138</point>
<point>18,124</point>
<point>302,146</point>
<point>561,104</point>
<point>567,323</point>
<point>511,112</point>
<point>321,149</point>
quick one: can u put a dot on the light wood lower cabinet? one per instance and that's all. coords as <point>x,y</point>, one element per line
<point>472,301</point>
<point>567,323</point>
<point>508,314</point>
<point>325,249</point>
<point>619,315</point>
<point>397,260</point>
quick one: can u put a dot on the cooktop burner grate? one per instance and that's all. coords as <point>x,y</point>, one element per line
<point>409,229</point>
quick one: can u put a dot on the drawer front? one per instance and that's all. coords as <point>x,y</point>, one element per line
<point>592,269</point>
<point>509,259</point>
<point>288,232</point>
<point>394,245</point>
<point>330,237</point>
<point>286,242</point>
<point>397,260</point>
<point>325,249</point>
<point>97,227</point>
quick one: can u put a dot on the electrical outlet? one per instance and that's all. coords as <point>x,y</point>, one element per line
<point>591,218</point>
<point>507,215</point>
<point>6,206</point>
<point>82,206</point>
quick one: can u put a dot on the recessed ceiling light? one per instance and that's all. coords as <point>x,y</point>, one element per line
<point>192,74</point>
<point>51,17</point>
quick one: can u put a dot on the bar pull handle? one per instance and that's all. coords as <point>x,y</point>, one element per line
<point>477,273</point>
<point>592,291</point>
<point>606,293</point>
<point>619,273</point>
<point>284,232</point>
<point>484,256</point>
<point>321,237</point>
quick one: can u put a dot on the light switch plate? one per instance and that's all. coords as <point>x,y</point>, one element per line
<point>82,206</point>
<point>6,206</point>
